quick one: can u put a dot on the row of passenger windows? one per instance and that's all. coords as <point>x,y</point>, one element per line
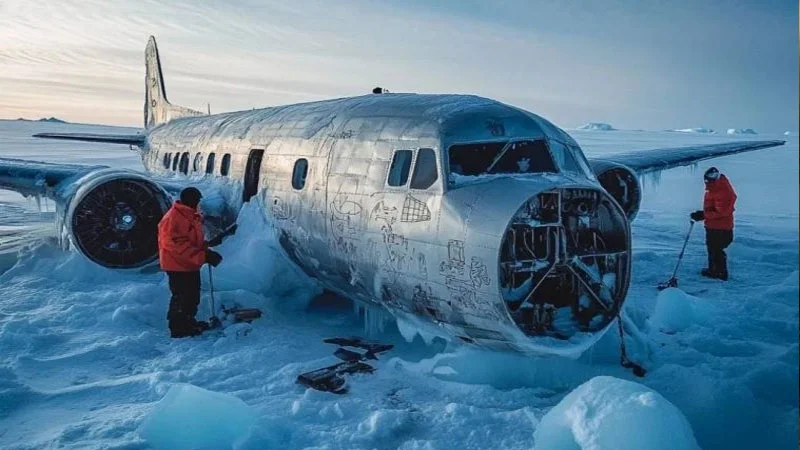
<point>425,170</point>
<point>180,162</point>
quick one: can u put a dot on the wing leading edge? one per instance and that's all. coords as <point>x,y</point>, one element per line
<point>129,139</point>
<point>37,178</point>
<point>655,160</point>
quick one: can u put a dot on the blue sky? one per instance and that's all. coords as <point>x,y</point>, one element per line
<point>649,65</point>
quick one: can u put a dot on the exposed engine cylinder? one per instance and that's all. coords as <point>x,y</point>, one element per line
<point>113,218</point>
<point>621,182</point>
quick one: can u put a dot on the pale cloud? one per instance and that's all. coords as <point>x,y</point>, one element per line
<point>663,66</point>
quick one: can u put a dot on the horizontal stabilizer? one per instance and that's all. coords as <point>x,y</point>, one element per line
<point>129,139</point>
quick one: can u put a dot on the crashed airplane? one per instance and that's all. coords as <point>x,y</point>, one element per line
<point>477,219</point>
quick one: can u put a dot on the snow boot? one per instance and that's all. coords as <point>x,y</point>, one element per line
<point>707,273</point>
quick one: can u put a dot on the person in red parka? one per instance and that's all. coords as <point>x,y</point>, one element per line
<point>718,207</point>
<point>182,251</point>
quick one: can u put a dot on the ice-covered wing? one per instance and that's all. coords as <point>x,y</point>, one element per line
<point>655,160</point>
<point>129,139</point>
<point>37,178</point>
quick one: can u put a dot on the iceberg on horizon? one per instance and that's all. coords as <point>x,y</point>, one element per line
<point>741,131</point>
<point>596,126</point>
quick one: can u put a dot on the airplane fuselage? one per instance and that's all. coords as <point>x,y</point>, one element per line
<point>363,197</point>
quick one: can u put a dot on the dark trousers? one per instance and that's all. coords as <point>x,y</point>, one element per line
<point>716,243</point>
<point>185,288</point>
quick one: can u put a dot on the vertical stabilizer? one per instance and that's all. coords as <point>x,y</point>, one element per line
<point>157,109</point>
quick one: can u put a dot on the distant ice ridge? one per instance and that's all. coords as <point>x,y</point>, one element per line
<point>695,130</point>
<point>596,126</point>
<point>609,413</point>
<point>741,131</point>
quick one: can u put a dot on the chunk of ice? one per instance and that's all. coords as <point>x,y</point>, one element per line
<point>192,417</point>
<point>675,311</point>
<point>613,414</point>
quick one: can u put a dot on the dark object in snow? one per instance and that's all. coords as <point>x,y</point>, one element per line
<point>238,314</point>
<point>331,378</point>
<point>638,370</point>
<point>673,282</point>
<point>372,348</point>
<point>377,90</point>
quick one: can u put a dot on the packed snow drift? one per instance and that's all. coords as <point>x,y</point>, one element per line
<point>86,360</point>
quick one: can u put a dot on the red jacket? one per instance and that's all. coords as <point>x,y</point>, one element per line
<point>181,246</point>
<point>718,204</point>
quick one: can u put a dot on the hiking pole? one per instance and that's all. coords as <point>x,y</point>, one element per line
<point>673,282</point>
<point>213,321</point>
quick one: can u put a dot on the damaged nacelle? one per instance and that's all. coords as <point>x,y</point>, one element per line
<point>621,182</point>
<point>111,217</point>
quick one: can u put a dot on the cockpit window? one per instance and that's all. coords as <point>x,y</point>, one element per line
<point>424,169</point>
<point>565,157</point>
<point>500,157</point>
<point>401,165</point>
<point>473,159</point>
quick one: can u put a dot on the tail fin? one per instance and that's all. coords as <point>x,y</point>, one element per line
<point>157,109</point>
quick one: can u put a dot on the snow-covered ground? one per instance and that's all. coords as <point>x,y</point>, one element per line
<point>85,356</point>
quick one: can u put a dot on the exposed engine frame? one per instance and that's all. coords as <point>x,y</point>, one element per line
<point>565,262</point>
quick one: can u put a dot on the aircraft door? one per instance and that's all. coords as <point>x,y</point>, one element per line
<point>252,174</point>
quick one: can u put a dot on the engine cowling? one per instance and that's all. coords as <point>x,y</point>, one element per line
<point>622,183</point>
<point>112,218</point>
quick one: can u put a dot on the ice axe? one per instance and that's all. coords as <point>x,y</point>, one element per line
<point>673,282</point>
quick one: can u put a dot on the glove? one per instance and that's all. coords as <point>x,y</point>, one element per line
<point>214,242</point>
<point>213,258</point>
<point>697,216</point>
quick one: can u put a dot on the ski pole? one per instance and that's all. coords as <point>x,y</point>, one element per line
<point>211,286</point>
<point>685,241</point>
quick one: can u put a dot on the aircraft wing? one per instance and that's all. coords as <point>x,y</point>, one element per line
<point>130,139</point>
<point>655,160</point>
<point>38,178</point>
<point>58,180</point>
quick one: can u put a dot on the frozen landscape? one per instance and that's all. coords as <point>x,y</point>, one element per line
<point>86,360</point>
